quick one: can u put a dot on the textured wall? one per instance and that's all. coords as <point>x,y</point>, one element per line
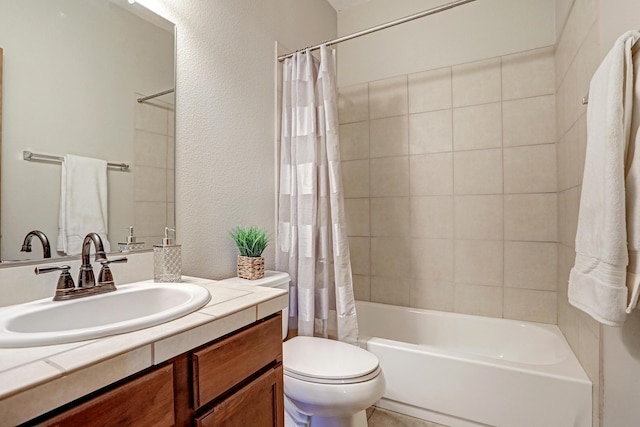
<point>225,167</point>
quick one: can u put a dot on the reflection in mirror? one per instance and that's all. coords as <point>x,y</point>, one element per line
<point>73,73</point>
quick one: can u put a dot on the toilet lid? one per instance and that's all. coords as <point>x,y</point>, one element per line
<point>326,359</point>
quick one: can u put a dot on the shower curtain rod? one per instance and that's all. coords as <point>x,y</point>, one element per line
<point>418,15</point>
<point>155,95</point>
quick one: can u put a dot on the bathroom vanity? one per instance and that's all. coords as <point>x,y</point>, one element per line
<point>221,364</point>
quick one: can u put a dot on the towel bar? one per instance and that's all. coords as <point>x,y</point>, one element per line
<point>28,155</point>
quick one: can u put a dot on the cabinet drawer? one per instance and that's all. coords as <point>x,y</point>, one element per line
<point>147,401</point>
<point>228,362</point>
<point>257,404</point>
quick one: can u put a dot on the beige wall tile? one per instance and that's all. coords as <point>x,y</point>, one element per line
<point>479,262</point>
<point>151,118</point>
<point>533,306</point>
<point>149,217</point>
<point>530,73</point>
<point>390,216</point>
<point>431,174</point>
<point>568,159</point>
<point>478,217</point>
<point>362,287</point>
<point>390,177</point>
<point>387,290</point>
<point>150,184</point>
<point>478,172</point>
<point>566,260</point>
<point>581,127</point>
<point>354,141</point>
<point>432,294</point>
<point>568,208</point>
<point>355,178</point>
<point>430,90</point>
<point>171,186</point>
<point>430,132</point>
<point>150,149</point>
<point>432,217</point>
<point>432,259</point>
<point>353,103</point>
<point>476,83</point>
<point>357,216</point>
<point>390,257</point>
<point>531,265</point>
<point>529,121</point>
<point>531,217</point>
<point>477,127</point>
<point>360,250</point>
<point>530,169</point>
<point>478,300</point>
<point>589,351</point>
<point>390,136</point>
<point>388,97</point>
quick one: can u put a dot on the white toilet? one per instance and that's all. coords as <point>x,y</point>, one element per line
<point>330,381</point>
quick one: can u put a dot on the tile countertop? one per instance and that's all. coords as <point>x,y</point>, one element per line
<point>35,380</point>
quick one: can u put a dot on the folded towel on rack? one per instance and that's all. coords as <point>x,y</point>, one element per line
<point>83,203</point>
<point>598,280</point>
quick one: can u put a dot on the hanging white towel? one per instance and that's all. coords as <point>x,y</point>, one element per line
<point>597,283</point>
<point>83,203</point>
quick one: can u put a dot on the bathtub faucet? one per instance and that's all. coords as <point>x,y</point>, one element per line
<point>46,248</point>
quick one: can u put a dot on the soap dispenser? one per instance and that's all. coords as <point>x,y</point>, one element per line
<point>167,260</point>
<point>131,243</point>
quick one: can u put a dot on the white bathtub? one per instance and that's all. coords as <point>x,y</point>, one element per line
<point>461,370</point>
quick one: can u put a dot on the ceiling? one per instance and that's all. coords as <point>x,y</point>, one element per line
<point>343,4</point>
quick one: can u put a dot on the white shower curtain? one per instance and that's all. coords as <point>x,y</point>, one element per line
<point>312,239</point>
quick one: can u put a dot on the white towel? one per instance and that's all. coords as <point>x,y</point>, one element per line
<point>83,203</point>
<point>597,283</point>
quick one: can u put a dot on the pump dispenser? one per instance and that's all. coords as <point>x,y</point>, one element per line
<point>167,260</point>
<point>131,243</point>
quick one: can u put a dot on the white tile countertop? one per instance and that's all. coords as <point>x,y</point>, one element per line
<point>35,380</point>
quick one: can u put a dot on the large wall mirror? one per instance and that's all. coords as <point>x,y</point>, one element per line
<point>74,72</point>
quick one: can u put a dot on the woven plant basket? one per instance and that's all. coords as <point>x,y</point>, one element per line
<point>251,268</point>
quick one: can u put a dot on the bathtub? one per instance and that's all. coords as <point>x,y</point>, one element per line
<point>469,371</point>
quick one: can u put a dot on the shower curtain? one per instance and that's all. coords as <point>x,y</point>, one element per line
<point>312,239</point>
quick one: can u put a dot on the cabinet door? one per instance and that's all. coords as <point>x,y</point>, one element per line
<point>228,362</point>
<point>145,401</point>
<point>258,404</point>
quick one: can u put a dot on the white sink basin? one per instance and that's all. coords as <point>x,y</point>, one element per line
<point>131,307</point>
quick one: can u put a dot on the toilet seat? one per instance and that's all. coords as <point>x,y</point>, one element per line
<point>324,361</point>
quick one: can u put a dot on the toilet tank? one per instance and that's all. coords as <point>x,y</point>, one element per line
<point>271,279</point>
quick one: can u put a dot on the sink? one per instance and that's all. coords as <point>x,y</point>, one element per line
<point>131,307</point>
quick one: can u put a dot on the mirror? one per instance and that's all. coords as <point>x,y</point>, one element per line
<point>74,71</point>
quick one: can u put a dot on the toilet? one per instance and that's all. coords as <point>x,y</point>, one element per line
<point>331,382</point>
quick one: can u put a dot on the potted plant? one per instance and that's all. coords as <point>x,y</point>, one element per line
<point>251,242</point>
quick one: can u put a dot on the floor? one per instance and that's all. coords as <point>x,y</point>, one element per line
<point>377,417</point>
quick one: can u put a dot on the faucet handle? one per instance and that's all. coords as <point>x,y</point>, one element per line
<point>65,281</point>
<point>105,278</point>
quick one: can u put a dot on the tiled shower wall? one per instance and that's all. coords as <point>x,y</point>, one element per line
<point>577,57</point>
<point>450,187</point>
<point>153,170</point>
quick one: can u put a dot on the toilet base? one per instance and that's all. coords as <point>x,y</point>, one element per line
<point>357,420</point>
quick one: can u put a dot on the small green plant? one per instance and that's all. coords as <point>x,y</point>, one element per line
<point>251,241</point>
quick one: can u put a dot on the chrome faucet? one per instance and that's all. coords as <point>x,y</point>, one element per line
<point>46,248</point>
<point>86,279</point>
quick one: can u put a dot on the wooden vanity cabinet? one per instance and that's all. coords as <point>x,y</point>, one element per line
<point>235,380</point>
